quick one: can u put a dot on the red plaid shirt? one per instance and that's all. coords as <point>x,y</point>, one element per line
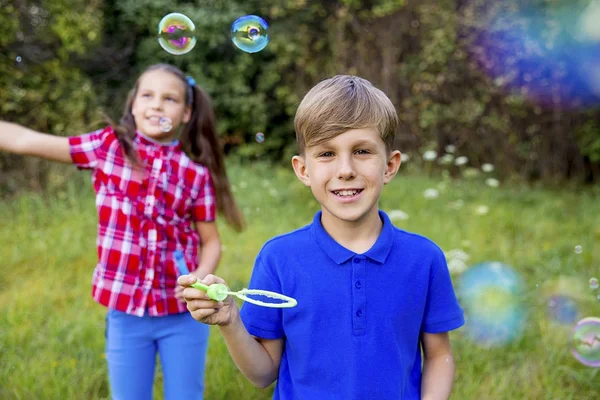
<point>143,217</point>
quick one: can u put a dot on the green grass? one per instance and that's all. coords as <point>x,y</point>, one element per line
<point>52,332</point>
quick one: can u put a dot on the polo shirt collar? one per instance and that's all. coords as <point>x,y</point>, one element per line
<point>340,254</point>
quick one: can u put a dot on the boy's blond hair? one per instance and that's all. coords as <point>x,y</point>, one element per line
<point>342,103</point>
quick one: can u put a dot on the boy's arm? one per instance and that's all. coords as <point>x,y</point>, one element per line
<point>17,139</point>
<point>258,359</point>
<point>438,367</point>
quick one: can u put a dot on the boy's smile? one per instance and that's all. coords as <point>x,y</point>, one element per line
<point>346,175</point>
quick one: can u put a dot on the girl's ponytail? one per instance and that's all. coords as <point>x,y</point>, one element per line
<point>200,139</point>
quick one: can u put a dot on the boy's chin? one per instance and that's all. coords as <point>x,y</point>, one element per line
<point>345,217</point>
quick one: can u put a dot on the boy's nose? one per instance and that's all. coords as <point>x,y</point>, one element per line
<point>345,169</point>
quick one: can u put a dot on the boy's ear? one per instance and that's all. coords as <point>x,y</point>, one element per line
<point>187,115</point>
<point>299,165</point>
<point>393,163</point>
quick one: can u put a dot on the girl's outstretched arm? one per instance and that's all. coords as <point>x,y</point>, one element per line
<point>17,139</point>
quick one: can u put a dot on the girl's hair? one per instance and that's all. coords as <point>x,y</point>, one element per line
<point>199,139</point>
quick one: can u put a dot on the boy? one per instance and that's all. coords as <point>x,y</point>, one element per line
<point>370,296</point>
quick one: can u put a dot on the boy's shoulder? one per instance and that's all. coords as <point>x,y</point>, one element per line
<point>414,241</point>
<point>297,239</point>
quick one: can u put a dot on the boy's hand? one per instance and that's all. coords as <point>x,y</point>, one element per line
<point>179,288</point>
<point>203,308</point>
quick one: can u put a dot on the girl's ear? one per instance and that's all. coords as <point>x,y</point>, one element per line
<point>187,114</point>
<point>299,165</point>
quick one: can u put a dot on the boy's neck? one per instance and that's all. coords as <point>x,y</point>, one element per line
<point>358,236</point>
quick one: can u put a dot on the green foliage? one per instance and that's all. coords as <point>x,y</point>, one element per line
<point>40,87</point>
<point>428,57</point>
<point>589,140</point>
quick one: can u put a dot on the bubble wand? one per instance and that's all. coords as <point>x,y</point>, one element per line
<point>219,291</point>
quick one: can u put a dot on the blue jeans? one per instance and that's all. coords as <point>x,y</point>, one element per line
<point>131,346</point>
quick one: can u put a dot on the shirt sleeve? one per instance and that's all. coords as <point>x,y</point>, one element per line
<point>86,150</point>
<point>263,322</point>
<point>442,311</point>
<point>204,208</point>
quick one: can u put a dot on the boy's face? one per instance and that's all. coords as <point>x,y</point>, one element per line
<point>346,174</point>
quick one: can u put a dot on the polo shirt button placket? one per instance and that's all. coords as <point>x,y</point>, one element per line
<point>358,295</point>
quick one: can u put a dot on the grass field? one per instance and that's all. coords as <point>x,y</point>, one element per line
<point>52,332</point>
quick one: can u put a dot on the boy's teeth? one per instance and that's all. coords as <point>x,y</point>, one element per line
<point>346,192</point>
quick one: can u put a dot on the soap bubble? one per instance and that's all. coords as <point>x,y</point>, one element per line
<point>18,59</point>
<point>562,309</point>
<point>249,33</point>
<point>490,295</point>
<point>260,137</point>
<point>550,58</point>
<point>578,249</point>
<point>165,124</point>
<point>176,34</point>
<point>593,283</point>
<point>585,341</point>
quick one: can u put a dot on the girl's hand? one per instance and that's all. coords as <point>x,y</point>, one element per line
<point>204,309</point>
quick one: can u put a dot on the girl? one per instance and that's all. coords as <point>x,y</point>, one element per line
<point>157,192</point>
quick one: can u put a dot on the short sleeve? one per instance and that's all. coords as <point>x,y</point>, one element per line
<point>262,322</point>
<point>442,311</point>
<point>204,206</point>
<point>86,150</point>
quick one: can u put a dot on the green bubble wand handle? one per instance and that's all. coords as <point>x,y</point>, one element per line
<point>219,292</point>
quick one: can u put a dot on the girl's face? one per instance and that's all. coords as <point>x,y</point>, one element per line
<point>160,94</point>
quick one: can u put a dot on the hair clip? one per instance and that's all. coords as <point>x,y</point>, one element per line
<point>191,81</point>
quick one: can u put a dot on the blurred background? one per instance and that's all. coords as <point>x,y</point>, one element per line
<point>499,102</point>
<point>511,83</point>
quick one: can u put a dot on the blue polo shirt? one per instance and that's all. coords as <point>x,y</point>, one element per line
<point>355,331</point>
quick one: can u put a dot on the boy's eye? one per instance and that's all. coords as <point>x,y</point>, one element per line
<point>170,98</point>
<point>326,154</point>
<point>146,95</point>
<point>363,151</point>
